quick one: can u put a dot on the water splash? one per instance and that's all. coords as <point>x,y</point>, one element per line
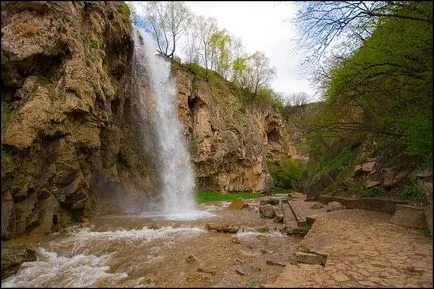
<point>84,260</point>
<point>174,166</point>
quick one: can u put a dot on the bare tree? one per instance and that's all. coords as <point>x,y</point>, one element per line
<point>167,22</point>
<point>325,24</point>
<point>260,71</point>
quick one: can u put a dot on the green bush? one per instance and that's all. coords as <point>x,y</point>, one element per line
<point>287,174</point>
<point>94,44</point>
<point>372,192</point>
<point>412,192</point>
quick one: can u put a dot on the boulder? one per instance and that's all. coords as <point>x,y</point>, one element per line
<point>388,178</point>
<point>409,216</point>
<point>274,263</point>
<point>368,166</point>
<point>334,206</point>
<point>267,211</point>
<point>371,183</point>
<point>314,188</point>
<point>316,206</point>
<point>273,202</point>
<point>278,218</point>
<point>12,258</point>
<point>318,183</point>
<point>424,174</point>
<point>221,228</point>
<point>310,258</point>
<point>237,204</point>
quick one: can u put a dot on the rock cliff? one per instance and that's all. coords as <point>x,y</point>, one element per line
<point>230,140</point>
<point>69,123</point>
<point>74,141</point>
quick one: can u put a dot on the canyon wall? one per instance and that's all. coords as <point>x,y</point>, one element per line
<point>74,142</point>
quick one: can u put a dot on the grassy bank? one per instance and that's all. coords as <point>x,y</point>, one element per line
<point>202,197</point>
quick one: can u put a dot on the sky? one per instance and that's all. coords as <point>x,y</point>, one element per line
<point>266,27</point>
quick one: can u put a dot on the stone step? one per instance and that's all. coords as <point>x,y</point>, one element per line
<point>310,258</point>
<point>301,220</point>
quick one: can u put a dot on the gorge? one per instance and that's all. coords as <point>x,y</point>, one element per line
<point>108,149</point>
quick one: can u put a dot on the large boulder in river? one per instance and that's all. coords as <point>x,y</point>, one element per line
<point>12,258</point>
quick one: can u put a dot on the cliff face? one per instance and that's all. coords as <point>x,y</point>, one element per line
<point>69,127</point>
<point>74,141</point>
<point>230,143</point>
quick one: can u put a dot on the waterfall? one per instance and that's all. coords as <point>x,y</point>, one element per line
<point>174,167</point>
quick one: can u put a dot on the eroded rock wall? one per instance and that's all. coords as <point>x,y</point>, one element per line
<point>230,142</point>
<point>69,121</point>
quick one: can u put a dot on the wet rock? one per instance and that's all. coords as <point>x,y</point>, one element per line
<point>267,211</point>
<point>409,216</point>
<point>12,258</point>
<point>316,206</point>
<point>222,228</point>
<point>310,258</point>
<point>273,263</point>
<point>334,206</point>
<point>237,204</point>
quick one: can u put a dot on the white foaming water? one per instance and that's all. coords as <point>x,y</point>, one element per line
<point>52,270</point>
<point>80,269</point>
<point>175,169</point>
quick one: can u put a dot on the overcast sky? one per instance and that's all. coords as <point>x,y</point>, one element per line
<point>262,26</point>
<point>266,27</point>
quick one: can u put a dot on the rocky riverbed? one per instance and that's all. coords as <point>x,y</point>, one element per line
<point>151,251</point>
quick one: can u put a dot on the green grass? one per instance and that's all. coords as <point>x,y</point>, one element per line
<point>412,192</point>
<point>306,228</point>
<point>202,197</point>
<point>372,192</point>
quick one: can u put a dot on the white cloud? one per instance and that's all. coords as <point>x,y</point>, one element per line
<point>266,27</point>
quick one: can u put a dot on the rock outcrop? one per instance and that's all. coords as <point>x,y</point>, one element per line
<point>69,123</point>
<point>230,141</point>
